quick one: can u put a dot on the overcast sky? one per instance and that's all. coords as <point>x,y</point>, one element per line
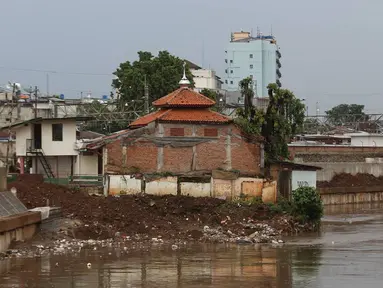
<point>332,50</point>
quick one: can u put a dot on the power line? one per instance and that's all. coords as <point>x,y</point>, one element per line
<point>55,72</point>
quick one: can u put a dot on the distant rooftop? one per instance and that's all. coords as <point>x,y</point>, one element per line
<point>247,37</point>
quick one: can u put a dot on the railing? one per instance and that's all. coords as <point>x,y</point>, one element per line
<point>86,180</point>
<point>30,145</point>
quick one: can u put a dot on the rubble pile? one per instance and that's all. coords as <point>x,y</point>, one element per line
<point>159,218</point>
<point>252,233</point>
<point>349,180</point>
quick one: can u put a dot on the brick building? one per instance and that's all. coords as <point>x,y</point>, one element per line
<point>183,135</point>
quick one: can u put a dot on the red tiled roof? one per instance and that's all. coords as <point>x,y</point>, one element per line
<point>145,120</point>
<point>182,115</point>
<point>184,97</point>
<point>194,115</point>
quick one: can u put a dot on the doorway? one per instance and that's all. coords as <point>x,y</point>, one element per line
<point>37,136</point>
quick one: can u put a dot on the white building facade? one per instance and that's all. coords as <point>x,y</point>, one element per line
<point>49,147</point>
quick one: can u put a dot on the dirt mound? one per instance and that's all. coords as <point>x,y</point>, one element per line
<point>172,217</point>
<point>348,180</point>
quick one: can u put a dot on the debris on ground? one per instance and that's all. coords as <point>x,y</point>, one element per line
<point>172,217</point>
<point>349,180</point>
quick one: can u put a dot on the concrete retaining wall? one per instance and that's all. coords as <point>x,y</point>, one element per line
<point>351,195</point>
<point>219,188</point>
<point>18,228</point>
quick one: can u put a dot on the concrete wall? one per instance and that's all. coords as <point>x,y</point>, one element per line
<point>219,188</point>
<point>371,140</point>
<point>22,134</point>
<point>351,195</point>
<point>330,169</point>
<point>123,184</point>
<point>196,189</point>
<point>162,186</point>
<point>18,228</point>
<point>65,147</point>
<point>303,179</point>
<point>86,164</point>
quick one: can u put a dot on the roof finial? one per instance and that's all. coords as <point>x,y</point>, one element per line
<point>184,81</point>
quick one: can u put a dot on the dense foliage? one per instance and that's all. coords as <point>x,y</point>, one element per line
<point>162,74</point>
<point>216,97</point>
<point>346,113</point>
<point>282,119</point>
<point>307,204</point>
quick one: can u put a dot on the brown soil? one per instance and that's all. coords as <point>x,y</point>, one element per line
<point>348,180</point>
<point>172,217</point>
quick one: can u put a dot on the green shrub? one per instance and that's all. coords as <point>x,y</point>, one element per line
<point>248,200</point>
<point>307,204</point>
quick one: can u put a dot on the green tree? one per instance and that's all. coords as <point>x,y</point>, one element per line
<point>282,120</point>
<point>216,97</point>
<point>346,113</point>
<point>162,74</point>
<point>247,92</point>
<point>307,204</point>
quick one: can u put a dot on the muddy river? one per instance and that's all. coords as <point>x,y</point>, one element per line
<point>347,253</point>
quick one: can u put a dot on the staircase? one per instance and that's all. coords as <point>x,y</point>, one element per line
<point>39,153</point>
<point>47,168</point>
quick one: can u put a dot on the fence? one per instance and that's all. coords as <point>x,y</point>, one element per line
<point>79,180</point>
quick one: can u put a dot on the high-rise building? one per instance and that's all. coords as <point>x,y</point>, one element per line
<point>257,57</point>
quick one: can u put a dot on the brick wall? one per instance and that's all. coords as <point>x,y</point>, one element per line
<point>245,156</point>
<point>177,159</point>
<point>143,154</point>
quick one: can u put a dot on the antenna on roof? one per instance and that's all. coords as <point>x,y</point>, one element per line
<point>271,30</point>
<point>184,81</point>
<point>258,33</point>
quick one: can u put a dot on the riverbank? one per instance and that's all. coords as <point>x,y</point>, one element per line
<point>159,218</point>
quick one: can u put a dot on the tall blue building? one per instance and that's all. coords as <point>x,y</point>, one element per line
<point>257,57</point>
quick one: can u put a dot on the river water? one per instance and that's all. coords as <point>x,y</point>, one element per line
<point>348,252</point>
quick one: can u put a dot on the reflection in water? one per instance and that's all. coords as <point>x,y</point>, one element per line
<point>196,266</point>
<point>344,254</point>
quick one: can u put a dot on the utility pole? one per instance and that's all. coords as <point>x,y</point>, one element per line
<point>10,114</point>
<point>47,84</point>
<point>35,101</point>
<point>146,96</point>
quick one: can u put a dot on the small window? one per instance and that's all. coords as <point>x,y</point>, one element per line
<point>251,56</point>
<point>225,81</point>
<point>251,76</point>
<point>210,132</point>
<point>231,61</point>
<point>225,70</point>
<point>231,82</point>
<point>225,60</point>
<point>57,132</point>
<point>251,66</point>
<point>231,71</point>
<point>177,132</point>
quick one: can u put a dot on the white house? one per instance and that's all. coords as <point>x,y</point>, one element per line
<point>48,146</point>
<point>204,78</point>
